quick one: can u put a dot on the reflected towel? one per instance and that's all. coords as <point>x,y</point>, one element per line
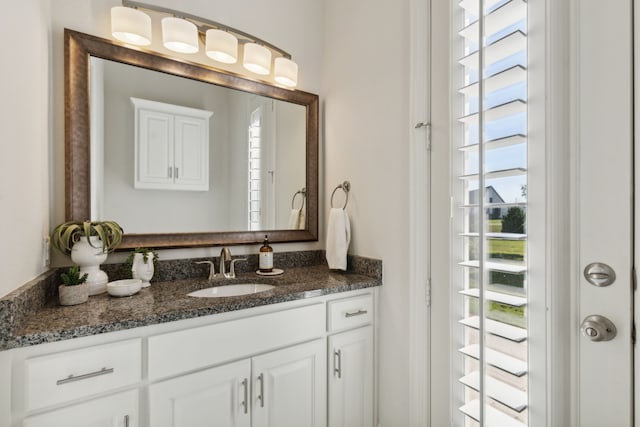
<point>302,223</point>
<point>338,239</point>
<point>294,219</point>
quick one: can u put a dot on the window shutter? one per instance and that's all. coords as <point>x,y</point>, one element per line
<point>490,242</point>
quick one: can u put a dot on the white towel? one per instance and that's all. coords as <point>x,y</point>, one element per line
<point>302,223</point>
<point>338,239</point>
<point>294,219</point>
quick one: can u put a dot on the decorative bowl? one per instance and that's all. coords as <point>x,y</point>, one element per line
<point>124,288</point>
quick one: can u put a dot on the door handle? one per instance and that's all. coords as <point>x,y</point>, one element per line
<point>598,328</point>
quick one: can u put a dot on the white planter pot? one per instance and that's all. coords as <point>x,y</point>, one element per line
<point>89,257</point>
<point>142,270</point>
<point>73,295</point>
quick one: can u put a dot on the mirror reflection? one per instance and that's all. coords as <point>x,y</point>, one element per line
<point>174,155</point>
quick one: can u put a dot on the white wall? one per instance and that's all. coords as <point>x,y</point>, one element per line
<point>24,142</point>
<point>366,125</point>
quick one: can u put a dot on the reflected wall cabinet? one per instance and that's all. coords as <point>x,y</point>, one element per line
<point>171,146</point>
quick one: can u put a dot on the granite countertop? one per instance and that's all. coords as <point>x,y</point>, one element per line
<point>167,301</point>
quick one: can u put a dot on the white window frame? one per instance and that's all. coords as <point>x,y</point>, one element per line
<point>549,203</point>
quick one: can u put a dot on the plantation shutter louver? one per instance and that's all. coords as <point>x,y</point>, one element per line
<point>490,189</point>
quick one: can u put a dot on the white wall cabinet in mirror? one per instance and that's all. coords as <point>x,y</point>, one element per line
<point>171,146</point>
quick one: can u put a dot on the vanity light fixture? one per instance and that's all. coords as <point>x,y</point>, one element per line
<point>257,59</point>
<point>179,35</point>
<point>131,26</point>
<point>181,32</point>
<point>285,72</point>
<point>221,46</point>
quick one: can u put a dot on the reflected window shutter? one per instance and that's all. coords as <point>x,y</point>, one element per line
<point>490,186</point>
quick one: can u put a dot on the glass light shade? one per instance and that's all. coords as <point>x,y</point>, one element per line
<point>257,59</point>
<point>222,46</point>
<point>130,25</point>
<point>285,72</point>
<point>179,35</point>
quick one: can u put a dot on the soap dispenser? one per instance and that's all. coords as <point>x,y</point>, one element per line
<point>266,256</point>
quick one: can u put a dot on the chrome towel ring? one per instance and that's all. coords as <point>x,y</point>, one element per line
<point>345,186</point>
<point>303,193</point>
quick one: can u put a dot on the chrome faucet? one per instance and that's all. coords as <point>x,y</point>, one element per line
<point>225,255</point>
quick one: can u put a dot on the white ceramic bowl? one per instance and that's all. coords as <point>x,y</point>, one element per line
<point>124,288</point>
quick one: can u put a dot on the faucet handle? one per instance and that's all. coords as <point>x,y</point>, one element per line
<point>212,268</point>
<point>232,268</point>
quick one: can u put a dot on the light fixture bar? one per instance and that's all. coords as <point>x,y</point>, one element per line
<point>207,24</point>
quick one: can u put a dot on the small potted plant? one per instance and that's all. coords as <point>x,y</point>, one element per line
<point>143,263</point>
<point>74,289</point>
<point>88,243</point>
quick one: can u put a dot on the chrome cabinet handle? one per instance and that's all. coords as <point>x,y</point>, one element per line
<point>337,367</point>
<point>72,378</point>
<point>355,313</point>
<point>261,395</point>
<point>177,169</point>
<point>170,172</point>
<point>245,403</point>
<point>126,421</point>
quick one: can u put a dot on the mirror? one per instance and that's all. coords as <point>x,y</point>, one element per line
<point>255,166</point>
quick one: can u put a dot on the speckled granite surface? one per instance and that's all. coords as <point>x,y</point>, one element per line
<point>31,315</point>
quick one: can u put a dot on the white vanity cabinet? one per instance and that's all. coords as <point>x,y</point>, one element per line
<point>303,363</point>
<point>350,361</point>
<point>171,147</point>
<point>290,387</point>
<point>277,389</point>
<point>217,396</point>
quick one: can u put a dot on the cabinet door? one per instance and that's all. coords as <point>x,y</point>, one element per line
<point>154,150</point>
<point>289,387</point>
<point>191,153</point>
<point>351,378</point>
<point>216,397</point>
<point>120,410</point>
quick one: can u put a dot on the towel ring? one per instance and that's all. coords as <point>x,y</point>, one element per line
<point>302,192</point>
<point>345,186</point>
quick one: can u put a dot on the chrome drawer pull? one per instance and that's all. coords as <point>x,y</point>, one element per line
<point>355,313</point>
<point>71,378</point>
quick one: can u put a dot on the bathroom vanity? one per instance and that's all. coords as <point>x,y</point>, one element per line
<point>300,354</point>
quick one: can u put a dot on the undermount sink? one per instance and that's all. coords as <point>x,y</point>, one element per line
<point>231,290</point>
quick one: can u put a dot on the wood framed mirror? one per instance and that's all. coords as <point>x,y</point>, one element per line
<point>173,218</point>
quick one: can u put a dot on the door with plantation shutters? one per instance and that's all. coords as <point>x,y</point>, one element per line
<point>489,221</point>
<point>498,286</point>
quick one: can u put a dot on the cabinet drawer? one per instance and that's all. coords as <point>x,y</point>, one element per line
<point>350,312</point>
<point>191,349</point>
<point>119,410</point>
<point>61,377</point>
